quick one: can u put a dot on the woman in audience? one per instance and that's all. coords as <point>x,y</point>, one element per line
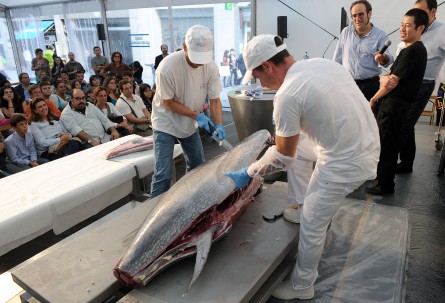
<point>116,66</point>
<point>112,90</point>
<point>109,110</point>
<point>62,96</point>
<point>137,71</point>
<point>146,95</point>
<point>76,84</point>
<point>40,64</point>
<point>57,69</point>
<point>51,138</point>
<point>10,102</point>
<point>94,81</point>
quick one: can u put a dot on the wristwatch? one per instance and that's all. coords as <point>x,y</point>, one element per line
<point>90,140</point>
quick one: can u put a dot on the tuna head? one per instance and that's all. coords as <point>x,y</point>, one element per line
<point>199,209</point>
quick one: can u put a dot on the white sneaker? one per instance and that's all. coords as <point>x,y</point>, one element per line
<point>285,291</point>
<point>293,214</point>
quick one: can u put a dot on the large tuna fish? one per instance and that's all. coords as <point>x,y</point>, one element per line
<point>198,210</point>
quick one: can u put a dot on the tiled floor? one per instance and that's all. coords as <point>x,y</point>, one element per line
<point>422,192</point>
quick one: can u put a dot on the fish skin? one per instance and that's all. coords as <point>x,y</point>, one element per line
<point>195,196</point>
<point>131,146</point>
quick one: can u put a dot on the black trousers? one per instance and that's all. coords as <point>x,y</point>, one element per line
<point>390,120</point>
<point>408,147</point>
<point>369,87</point>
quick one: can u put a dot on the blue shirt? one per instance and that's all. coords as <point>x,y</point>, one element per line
<point>356,53</point>
<point>21,150</point>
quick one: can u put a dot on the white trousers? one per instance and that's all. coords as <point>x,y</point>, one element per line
<point>321,200</point>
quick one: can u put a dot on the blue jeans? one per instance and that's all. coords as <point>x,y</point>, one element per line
<point>163,146</point>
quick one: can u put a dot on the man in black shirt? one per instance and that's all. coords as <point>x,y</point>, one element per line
<point>407,71</point>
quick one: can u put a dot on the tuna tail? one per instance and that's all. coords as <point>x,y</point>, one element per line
<point>202,251</point>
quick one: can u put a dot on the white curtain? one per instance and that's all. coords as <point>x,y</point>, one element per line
<point>81,29</point>
<point>28,34</point>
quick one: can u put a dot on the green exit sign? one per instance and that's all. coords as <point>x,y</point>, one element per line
<point>229,6</point>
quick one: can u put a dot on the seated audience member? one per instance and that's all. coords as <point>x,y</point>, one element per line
<point>41,91</point>
<point>128,76</point>
<point>132,107</point>
<point>76,84</point>
<point>137,71</point>
<point>20,146</point>
<point>94,81</point>
<point>10,102</point>
<point>65,79</point>
<point>22,88</point>
<point>89,94</point>
<point>146,95</point>
<point>61,91</point>
<point>80,76</point>
<point>57,69</point>
<point>86,121</point>
<point>6,168</point>
<point>51,138</point>
<point>109,110</point>
<point>116,66</point>
<point>113,92</point>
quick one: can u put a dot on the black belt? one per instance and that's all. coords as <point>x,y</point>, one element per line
<point>364,81</point>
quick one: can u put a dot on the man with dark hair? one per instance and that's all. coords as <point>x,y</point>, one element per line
<point>22,88</point>
<point>87,122</point>
<point>20,146</point>
<point>158,59</point>
<point>133,109</point>
<point>311,126</point>
<point>407,73</point>
<point>98,62</point>
<point>72,66</point>
<point>434,41</point>
<point>358,49</point>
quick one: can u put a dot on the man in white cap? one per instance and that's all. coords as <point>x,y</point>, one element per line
<point>320,115</point>
<point>184,80</point>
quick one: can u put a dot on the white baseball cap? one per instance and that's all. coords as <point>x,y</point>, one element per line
<point>261,48</point>
<point>199,42</point>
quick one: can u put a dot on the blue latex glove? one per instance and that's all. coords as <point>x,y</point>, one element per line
<point>220,131</point>
<point>204,122</point>
<point>240,177</point>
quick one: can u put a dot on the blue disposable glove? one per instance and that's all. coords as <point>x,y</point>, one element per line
<point>240,177</point>
<point>220,131</point>
<point>204,122</point>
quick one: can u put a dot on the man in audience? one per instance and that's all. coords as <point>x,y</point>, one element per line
<point>72,66</point>
<point>20,146</point>
<point>158,59</point>
<point>22,88</point>
<point>87,122</point>
<point>134,110</point>
<point>50,98</point>
<point>37,91</point>
<point>128,76</point>
<point>80,76</point>
<point>98,62</point>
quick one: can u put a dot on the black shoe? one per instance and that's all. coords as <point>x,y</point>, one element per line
<point>402,169</point>
<point>378,191</point>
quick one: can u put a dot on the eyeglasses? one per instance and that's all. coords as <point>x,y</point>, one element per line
<point>360,15</point>
<point>79,98</point>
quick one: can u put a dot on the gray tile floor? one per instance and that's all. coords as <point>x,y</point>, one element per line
<point>422,192</point>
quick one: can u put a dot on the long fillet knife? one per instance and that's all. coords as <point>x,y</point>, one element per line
<point>224,143</point>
